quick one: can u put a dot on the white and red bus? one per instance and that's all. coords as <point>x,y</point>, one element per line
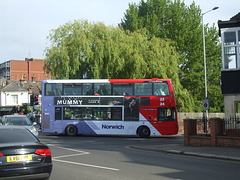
<point>144,107</point>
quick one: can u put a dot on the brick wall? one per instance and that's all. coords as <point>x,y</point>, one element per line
<point>30,69</point>
<point>18,70</point>
<point>181,116</point>
<point>36,71</point>
<point>215,138</point>
<point>228,141</point>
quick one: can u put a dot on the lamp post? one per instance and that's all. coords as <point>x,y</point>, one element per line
<point>206,101</point>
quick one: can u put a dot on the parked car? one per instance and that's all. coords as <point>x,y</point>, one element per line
<point>22,155</point>
<point>20,120</point>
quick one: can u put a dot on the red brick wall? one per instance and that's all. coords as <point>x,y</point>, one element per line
<point>189,130</point>
<point>36,71</point>
<point>216,138</point>
<point>199,141</point>
<point>228,141</point>
<point>18,69</point>
<point>28,70</point>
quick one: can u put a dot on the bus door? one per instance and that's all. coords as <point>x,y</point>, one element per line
<point>167,120</point>
<point>58,123</point>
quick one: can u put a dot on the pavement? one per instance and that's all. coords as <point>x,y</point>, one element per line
<point>222,153</point>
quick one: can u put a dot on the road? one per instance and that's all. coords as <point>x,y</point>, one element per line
<point>110,157</point>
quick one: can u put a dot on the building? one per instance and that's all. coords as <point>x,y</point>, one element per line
<point>28,70</point>
<point>229,31</point>
<point>17,93</point>
<point>12,95</point>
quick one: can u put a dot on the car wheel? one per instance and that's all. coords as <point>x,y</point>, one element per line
<point>71,130</point>
<point>144,131</point>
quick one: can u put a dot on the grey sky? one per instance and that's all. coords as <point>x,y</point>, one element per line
<point>25,24</point>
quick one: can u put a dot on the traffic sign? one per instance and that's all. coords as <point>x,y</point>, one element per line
<point>206,104</point>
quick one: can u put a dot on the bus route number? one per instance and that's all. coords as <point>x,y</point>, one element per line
<point>162,103</point>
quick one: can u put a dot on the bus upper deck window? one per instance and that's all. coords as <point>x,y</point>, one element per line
<point>102,89</point>
<point>161,89</point>
<point>144,89</point>
<point>88,89</point>
<point>125,89</point>
<point>53,89</point>
<point>73,89</point>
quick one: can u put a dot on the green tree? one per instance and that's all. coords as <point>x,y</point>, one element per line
<point>86,50</point>
<point>176,21</point>
<point>29,110</point>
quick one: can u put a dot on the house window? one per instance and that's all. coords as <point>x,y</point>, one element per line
<point>14,99</point>
<point>237,108</point>
<point>239,38</point>
<point>231,48</point>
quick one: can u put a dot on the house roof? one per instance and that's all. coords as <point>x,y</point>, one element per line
<point>236,17</point>
<point>13,87</point>
<point>33,87</point>
<point>233,22</point>
<point>36,86</point>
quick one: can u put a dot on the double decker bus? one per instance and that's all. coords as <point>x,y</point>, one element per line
<point>144,107</point>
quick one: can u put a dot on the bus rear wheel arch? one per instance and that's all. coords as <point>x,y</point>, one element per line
<point>71,130</point>
<point>143,131</point>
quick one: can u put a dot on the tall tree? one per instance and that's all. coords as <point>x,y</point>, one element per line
<point>86,50</point>
<point>173,19</point>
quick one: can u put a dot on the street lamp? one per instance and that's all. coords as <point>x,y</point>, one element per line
<point>205,102</point>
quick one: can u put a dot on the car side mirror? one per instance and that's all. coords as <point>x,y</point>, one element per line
<point>34,123</point>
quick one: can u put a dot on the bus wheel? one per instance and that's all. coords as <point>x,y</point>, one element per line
<point>144,131</point>
<point>71,130</point>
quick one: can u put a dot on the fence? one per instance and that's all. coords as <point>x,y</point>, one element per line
<point>200,116</point>
<point>221,132</point>
<point>232,127</point>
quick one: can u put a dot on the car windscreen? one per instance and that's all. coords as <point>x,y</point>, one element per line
<point>16,136</point>
<point>18,121</point>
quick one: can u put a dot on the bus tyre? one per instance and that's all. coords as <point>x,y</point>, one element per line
<point>144,131</point>
<point>71,130</point>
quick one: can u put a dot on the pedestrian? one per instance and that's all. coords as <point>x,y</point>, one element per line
<point>21,113</point>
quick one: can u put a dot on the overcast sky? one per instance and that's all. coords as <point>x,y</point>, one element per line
<point>25,24</point>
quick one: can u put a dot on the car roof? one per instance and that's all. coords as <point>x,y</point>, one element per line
<point>11,127</point>
<point>13,131</point>
<point>14,116</point>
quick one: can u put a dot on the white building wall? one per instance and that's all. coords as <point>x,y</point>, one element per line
<point>229,105</point>
<point>3,99</point>
<point>7,100</point>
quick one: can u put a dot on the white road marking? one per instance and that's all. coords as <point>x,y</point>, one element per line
<point>88,165</point>
<point>76,163</point>
<point>71,155</point>
<point>69,149</point>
